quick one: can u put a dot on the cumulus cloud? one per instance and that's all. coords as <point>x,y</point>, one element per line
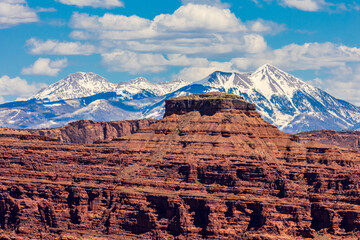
<point>194,17</point>
<point>94,3</point>
<point>342,82</point>
<point>265,26</point>
<point>305,5</point>
<point>196,73</point>
<point>302,57</point>
<point>134,62</point>
<point>55,47</point>
<point>18,86</point>
<point>144,62</point>
<point>217,3</point>
<point>45,66</point>
<point>192,29</point>
<point>14,12</point>
<point>314,5</point>
<point>186,21</point>
<point>108,22</point>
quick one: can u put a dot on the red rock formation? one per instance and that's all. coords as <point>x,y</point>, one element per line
<point>219,175</point>
<point>88,131</point>
<point>344,139</point>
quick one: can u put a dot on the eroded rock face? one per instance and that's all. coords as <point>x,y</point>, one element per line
<point>88,131</point>
<point>207,104</point>
<point>344,139</point>
<point>229,175</point>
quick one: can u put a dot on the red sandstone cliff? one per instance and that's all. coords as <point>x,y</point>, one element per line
<point>195,174</point>
<point>345,139</point>
<point>88,131</point>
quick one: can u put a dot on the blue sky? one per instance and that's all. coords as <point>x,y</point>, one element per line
<point>42,42</point>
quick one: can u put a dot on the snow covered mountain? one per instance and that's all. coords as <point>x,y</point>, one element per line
<point>141,87</point>
<point>81,84</point>
<point>285,100</point>
<point>76,85</point>
<point>282,99</point>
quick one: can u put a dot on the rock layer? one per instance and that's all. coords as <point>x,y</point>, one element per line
<point>88,131</point>
<point>345,139</point>
<point>206,104</point>
<point>227,175</point>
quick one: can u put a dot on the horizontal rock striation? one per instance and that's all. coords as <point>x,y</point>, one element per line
<point>207,104</point>
<point>345,139</point>
<point>88,131</point>
<point>229,175</point>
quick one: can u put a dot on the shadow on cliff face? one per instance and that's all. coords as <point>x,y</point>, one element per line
<point>9,213</point>
<point>200,211</point>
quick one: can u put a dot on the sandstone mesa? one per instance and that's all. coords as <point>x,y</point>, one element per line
<point>211,168</point>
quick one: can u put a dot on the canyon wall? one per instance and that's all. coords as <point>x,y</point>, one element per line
<point>216,175</point>
<point>88,131</point>
<point>344,139</point>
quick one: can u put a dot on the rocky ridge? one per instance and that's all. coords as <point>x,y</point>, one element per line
<point>88,131</point>
<point>218,175</point>
<point>345,139</point>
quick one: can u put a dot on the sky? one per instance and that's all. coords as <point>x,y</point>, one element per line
<point>41,42</point>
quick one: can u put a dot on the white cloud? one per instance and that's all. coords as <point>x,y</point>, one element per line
<point>314,5</point>
<point>14,12</point>
<point>192,29</point>
<point>56,47</point>
<point>40,9</point>
<point>265,26</point>
<point>18,86</point>
<point>2,100</point>
<point>44,66</point>
<point>108,22</point>
<point>144,62</point>
<point>134,62</point>
<point>213,46</point>
<point>197,73</point>
<point>302,57</point>
<point>216,3</point>
<point>94,3</point>
<point>342,82</point>
<point>305,5</point>
<point>193,17</point>
<point>187,21</point>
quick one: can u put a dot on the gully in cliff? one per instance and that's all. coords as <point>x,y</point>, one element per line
<point>212,168</point>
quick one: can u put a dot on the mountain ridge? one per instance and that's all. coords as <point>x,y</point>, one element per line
<point>281,98</point>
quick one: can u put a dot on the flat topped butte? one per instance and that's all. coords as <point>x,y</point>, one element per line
<point>207,104</point>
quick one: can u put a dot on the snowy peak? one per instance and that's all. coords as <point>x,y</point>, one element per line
<point>143,86</point>
<point>136,86</point>
<point>267,68</point>
<point>139,81</point>
<point>171,86</point>
<point>84,84</point>
<point>282,99</point>
<point>270,81</point>
<point>76,85</point>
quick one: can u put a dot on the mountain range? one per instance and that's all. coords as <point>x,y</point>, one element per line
<point>282,99</point>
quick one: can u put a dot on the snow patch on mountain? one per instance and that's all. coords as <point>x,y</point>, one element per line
<point>81,84</point>
<point>282,99</point>
<point>76,85</point>
<point>100,110</point>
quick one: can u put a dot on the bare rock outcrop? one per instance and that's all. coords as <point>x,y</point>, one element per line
<point>344,139</point>
<point>89,131</point>
<point>192,175</point>
<point>207,104</point>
